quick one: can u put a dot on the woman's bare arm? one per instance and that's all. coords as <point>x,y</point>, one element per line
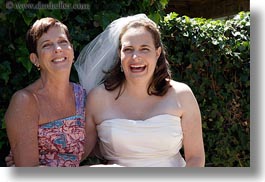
<point>22,126</point>
<point>192,130</point>
<point>90,127</point>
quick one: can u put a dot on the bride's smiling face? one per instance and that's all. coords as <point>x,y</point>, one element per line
<point>138,53</point>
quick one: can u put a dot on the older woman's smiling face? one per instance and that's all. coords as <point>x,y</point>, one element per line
<point>54,51</point>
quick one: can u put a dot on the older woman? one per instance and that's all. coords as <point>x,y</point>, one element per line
<point>45,121</point>
<point>142,116</point>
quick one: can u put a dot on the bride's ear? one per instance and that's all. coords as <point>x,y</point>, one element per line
<point>158,52</point>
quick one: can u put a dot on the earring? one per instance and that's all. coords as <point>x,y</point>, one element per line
<point>38,66</point>
<point>121,69</point>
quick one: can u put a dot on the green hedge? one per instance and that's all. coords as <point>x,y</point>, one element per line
<point>211,56</point>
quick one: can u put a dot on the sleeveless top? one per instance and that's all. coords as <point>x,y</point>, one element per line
<point>154,142</point>
<point>61,142</point>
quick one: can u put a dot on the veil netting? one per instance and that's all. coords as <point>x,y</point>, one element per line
<point>101,53</point>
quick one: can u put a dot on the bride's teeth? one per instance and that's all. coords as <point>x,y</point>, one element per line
<point>137,66</point>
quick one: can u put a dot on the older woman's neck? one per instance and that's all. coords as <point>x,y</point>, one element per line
<point>59,85</point>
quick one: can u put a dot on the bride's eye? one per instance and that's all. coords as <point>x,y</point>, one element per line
<point>145,49</point>
<point>127,50</point>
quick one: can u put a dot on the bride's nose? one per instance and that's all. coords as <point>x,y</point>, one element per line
<point>136,56</point>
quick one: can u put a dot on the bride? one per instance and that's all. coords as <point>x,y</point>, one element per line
<point>142,117</point>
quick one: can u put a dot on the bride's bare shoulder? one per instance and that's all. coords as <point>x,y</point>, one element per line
<point>182,92</point>
<point>179,86</point>
<point>97,93</point>
<point>98,90</point>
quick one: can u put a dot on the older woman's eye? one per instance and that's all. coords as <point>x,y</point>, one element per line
<point>64,42</point>
<point>47,45</point>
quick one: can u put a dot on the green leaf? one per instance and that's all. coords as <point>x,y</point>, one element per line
<point>5,71</point>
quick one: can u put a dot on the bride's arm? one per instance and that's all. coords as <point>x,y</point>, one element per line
<point>192,129</point>
<point>90,127</point>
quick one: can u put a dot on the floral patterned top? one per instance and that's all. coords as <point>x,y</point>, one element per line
<point>61,142</point>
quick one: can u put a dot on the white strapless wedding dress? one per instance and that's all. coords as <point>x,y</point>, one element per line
<point>154,142</point>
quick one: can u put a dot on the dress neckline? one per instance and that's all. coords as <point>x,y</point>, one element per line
<point>143,120</point>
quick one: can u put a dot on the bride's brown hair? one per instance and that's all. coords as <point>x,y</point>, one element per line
<point>159,84</point>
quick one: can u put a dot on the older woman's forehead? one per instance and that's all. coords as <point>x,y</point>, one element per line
<point>53,33</point>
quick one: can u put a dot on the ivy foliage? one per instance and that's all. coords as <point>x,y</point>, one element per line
<point>211,56</point>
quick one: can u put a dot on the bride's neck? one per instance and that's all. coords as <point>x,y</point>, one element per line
<point>134,90</point>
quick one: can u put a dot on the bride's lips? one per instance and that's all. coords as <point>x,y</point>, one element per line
<point>137,68</point>
<point>58,60</point>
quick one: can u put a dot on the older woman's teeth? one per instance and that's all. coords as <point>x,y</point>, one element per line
<point>58,60</point>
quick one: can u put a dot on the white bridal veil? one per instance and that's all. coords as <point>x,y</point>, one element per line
<point>101,53</point>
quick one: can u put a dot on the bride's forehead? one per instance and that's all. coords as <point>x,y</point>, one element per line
<point>136,33</point>
<point>135,30</point>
